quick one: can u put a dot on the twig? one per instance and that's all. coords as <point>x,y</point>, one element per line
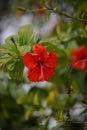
<point>77,122</point>
<point>74,122</point>
<point>54,10</point>
<point>33,10</point>
<point>72,17</point>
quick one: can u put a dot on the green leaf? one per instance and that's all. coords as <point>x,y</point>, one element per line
<point>81,40</point>
<point>84,111</point>
<point>64,61</point>
<point>9,52</point>
<point>13,50</point>
<point>11,66</point>
<point>16,72</point>
<point>45,126</point>
<point>63,101</point>
<point>24,49</point>
<point>16,92</point>
<point>71,46</point>
<point>52,98</point>
<point>50,2</point>
<point>2,88</point>
<point>77,79</point>
<point>52,47</point>
<point>59,116</point>
<point>43,2</point>
<point>56,79</point>
<point>10,46</point>
<point>4,60</point>
<point>22,99</point>
<point>48,15</point>
<point>26,35</point>
<point>52,40</point>
<point>29,112</point>
<point>37,96</point>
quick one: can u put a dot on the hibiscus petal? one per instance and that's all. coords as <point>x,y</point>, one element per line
<point>83,51</point>
<point>80,58</point>
<point>76,64</point>
<point>34,74</point>
<point>85,66</point>
<point>76,54</point>
<point>52,60</point>
<point>79,65</point>
<point>41,51</point>
<point>48,73</point>
<point>30,60</point>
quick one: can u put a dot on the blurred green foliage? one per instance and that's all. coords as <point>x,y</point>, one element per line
<point>33,109</point>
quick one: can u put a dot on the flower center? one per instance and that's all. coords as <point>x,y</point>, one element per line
<point>40,62</point>
<point>41,70</point>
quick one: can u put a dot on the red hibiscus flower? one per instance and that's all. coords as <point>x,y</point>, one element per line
<point>80,58</point>
<point>41,65</point>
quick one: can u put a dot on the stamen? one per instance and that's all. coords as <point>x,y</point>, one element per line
<point>42,75</point>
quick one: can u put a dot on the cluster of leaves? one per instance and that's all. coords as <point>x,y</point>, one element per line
<point>12,51</point>
<point>22,110</point>
<point>35,108</point>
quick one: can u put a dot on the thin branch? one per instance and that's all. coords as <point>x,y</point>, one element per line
<point>77,122</point>
<point>74,122</point>
<point>72,17</point>
<point>33,10</point>
<point>54,10</point>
